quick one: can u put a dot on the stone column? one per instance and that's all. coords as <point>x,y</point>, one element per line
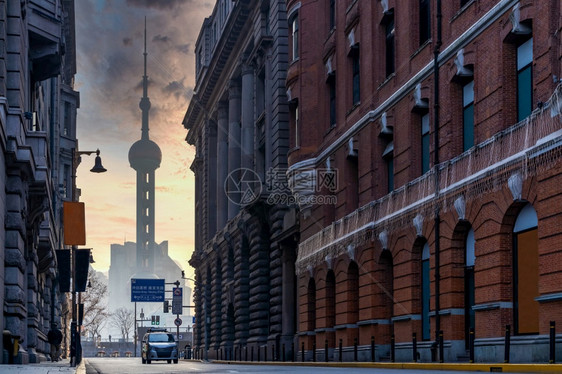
<point>288,307</point>
<point>234,109</point>
<point>211,167</point>
<point>222,164</point>
<point>247,160</point>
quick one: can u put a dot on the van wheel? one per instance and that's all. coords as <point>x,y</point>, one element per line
<point>148,361</point>
<point>176,361</point>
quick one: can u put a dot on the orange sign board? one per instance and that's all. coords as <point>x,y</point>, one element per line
<point>74,220</point>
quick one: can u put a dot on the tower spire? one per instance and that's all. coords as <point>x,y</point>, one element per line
<point>145,101</point>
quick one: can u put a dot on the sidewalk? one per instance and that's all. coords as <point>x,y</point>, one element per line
<point>490,367</point>
<point>46,367</point>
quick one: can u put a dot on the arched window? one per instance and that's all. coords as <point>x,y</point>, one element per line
<point>387,282</point>
<point>330,299</point>
<point>526,272</point>
<point>425,293</point>
<point>469,320</point>
<point>311,305</point>
<point>352,293</point>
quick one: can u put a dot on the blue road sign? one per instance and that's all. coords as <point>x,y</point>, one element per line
<point>147,290</point>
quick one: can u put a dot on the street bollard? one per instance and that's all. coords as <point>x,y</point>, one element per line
<point>252,356</point>
<point>302,352</point>
<point>372,349</point>
<point>507,343</point>
<point>265,352</point>
<point>314,352</point>
<point>355,350</point>
<point>273,352</point>
<point>259,353</point>
<point>414,347</point>
<point>246,353</point>
<point>341,350</point>
<point>283,352</point>
<point>392,348</point>
<point>293,353</point>
<point>220,354</point>
<point>441,347</point>
<point>471,344</point>
<point>326,350</point>
<point>552,359</point>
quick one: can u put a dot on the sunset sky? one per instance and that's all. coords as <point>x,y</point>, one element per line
<point>109,43</point>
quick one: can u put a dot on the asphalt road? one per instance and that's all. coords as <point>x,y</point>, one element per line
<point>134,366</point>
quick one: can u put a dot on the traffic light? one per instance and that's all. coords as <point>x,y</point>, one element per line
<point>157,320</point>
<point>153,321</point>
<point>166,306</point>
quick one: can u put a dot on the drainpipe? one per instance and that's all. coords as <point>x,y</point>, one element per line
<point>436,52</point>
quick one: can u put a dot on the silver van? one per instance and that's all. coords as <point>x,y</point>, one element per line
<point>159,345</point>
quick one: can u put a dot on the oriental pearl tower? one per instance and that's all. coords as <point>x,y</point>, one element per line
<point>145,157</point>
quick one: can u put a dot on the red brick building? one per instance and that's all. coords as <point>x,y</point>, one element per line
<point>431,230</point>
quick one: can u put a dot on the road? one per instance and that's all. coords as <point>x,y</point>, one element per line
<point>134,366</point>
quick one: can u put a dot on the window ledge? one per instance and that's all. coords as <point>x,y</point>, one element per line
<point>549,297</point>
<point>387,79</point>
<point>407,317</point>
<point>461,10</point>
<point>420,48</point>
<point>355,106</point>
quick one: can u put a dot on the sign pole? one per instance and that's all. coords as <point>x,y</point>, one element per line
<point>136,328</point>
<point>178,330</point>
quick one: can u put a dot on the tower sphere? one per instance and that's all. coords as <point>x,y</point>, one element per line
<point>145,155</point>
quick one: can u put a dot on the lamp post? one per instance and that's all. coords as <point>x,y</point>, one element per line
<point>75,354</point>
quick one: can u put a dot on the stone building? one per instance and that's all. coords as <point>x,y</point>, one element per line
<point>37,135</point>
<point>238,121</point>
<point>440,121</point>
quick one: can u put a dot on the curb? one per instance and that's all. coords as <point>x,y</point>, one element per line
<point>518,368</point>
<point>81,369</point>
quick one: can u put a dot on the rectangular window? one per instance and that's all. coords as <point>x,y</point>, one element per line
<point>468,115</point>
<point>390,172</point>
<point>332,87</point>
<point>425,143</point>
<point>389,32</point>
<point>426,332</point>
<point>332,14</point>
<point>67,118</point>
<point>295,37</point>
<point>296,119</point>
<point>356,78</point>
<point>425,21</point>
<point>524,80</point>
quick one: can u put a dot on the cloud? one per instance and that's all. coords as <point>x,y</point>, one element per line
<point>157,4</point>
<point>183,48</point>
<point>177,89</point>
<point>161,38</point>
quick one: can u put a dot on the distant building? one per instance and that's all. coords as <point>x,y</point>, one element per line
<point>122,269</point>
<point>447,151</point>
<point>37,136</point>
<point>245,245</point>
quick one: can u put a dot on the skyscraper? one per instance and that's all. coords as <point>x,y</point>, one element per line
<point>145,157</point>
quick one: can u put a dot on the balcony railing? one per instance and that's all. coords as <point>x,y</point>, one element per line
<point>519,151</point>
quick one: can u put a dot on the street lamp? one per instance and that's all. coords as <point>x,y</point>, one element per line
<point>75,330</point>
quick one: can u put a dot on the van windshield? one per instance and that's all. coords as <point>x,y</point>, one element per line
<point>161,338</point>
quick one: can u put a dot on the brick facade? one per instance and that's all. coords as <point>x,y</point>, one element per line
<point>372,241</point>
